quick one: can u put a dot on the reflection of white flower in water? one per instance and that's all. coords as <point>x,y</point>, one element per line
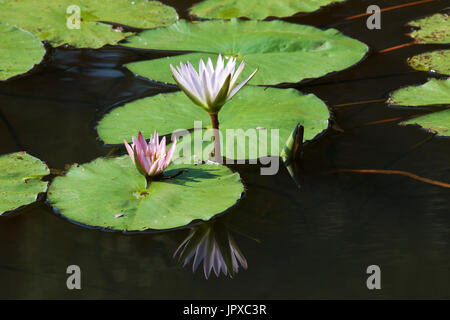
<point>213,245</point>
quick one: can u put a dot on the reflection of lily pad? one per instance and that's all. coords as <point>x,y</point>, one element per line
<point>255,108</point>
<point>438,122</point>
<point>20,180</point>
<point>436,61</point>
<point>282,51</point>
<point>47,19</point>
<point>110,193</point>
<point>19,51</point>
<point>254,9</point>
<point>432,29</point>
<point>434,92</point>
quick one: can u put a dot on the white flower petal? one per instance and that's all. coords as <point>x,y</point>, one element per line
<point>209,67</point>
<point>210,87</point>
<point>201,67</point>
<point>206,88</point>
<point>219,64</point>
<point>196,82</point>
<point>237,74</point>
<point>235,90</point>
<point>190,83</point>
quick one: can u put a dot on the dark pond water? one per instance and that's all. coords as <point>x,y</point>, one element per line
<point>312,242</point>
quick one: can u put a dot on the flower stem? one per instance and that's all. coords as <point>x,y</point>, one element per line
<point>149,181</point>
<point>403,173</point>
<point>215,126</point>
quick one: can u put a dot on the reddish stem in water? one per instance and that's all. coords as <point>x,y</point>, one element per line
<point>390,8</point>
<point>398,47</point>
<point>399,172</point>
<point>358,102</point>
<point>215,126</point>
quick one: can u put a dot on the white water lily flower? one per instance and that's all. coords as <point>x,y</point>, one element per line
<point>210,88</point>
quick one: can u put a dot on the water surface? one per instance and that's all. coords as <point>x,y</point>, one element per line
<point>312,242</point>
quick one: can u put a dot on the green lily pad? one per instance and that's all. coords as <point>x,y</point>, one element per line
<point>47,19</point>
<point>433,29</point>
<point>256,108</point>
<point>19,51</point>
<point>110,193</point>
<point>436,61</point>
<point>20,180</point>
<point>164,112</point>
<point>438,122</point>
<point>433,92</point>
<point>283,52</point>
<point>253,9</point>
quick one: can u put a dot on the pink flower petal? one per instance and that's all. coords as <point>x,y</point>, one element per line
<point>142,142</point>
<point>129,150</point>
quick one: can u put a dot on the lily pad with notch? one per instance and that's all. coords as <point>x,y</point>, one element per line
<point>81,23</point>
<point>20,51</point>
<point>433,93</point>
<point>437,122</point>
<point>20,180</point>
<point>435,61</point>
<point>283,52</point>
<point>432,29</point>
<point>257,109</point>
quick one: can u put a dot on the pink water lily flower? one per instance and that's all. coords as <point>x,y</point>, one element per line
<point>150,159</point>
